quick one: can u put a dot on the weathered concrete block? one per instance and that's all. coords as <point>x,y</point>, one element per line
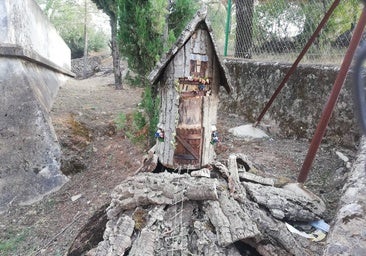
<point>33,63</point>
<point>29,150</point>
<point>23,23</point>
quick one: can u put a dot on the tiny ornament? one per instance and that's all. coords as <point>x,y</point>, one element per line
<point>159,134</point>
<point>214,137</point>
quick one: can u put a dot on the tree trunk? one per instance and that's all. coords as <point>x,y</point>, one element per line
<point>115,54</point>
<point>244,28</point>
<point>85,57</point>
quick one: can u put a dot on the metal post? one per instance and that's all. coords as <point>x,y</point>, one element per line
<point>332,100</point>
<point>299,58</point>
<point>227,32</point>
<point>85,57</point>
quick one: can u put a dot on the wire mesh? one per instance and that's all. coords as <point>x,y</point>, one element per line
<point>278,30</point>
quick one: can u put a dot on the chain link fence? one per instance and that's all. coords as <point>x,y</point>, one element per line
<point>278,30</point>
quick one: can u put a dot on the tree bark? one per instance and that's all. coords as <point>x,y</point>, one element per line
<point>115,54</point>
<point>174,214</point>
<point>91,234</point>
<point>117,237</point>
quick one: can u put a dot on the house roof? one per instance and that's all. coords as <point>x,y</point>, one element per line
<point>199,18</point>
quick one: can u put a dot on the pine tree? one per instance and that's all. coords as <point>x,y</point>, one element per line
<point>142,28</point>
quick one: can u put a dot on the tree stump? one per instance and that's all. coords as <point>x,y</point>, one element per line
<point>234,212</point>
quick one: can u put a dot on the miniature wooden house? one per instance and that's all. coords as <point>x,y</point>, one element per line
<point>189,77</point>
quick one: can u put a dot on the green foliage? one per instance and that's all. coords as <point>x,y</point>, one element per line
<point>140,33</point>
<point>134,80</point>
<point>98,40</point>
<point>109,7</point>
<point>344,15</point>
<point>151,106</point>
<point>68,18</point>
<point>143,25</point>
<point>272,19</point>
<point>120,121</point>
<point>133,125</point>
<point>181,13</point>
<point>140,126</point>
<point>139,121</point>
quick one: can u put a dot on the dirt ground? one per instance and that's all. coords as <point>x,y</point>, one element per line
<point>97,157</point>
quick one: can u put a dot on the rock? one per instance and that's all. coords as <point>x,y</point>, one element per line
<point>248,131</point>
<point>92,66</point>
<point>76,197</point>
<point>342,156</point>
<point>201,173</point>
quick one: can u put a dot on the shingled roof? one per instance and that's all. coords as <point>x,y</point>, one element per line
<point>200,19</point>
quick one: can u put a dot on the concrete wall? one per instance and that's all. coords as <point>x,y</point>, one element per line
<point>33,63</point>
<point>297,109</point>
<point>23,23</point>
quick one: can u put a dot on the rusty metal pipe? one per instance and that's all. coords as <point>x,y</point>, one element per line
<point>297,61</point>
<point>332,100</point>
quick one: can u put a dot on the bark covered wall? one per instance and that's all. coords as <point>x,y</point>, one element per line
<point>195,59</point>
<point>297,109</point>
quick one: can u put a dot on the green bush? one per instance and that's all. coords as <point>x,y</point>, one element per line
<point>140,126</point>
<point>121,121</point>
<point>151,106</point>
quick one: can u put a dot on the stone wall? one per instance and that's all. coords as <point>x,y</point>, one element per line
<point>297,109</point>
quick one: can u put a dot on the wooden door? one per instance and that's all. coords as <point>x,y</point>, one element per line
<point>188,150</point>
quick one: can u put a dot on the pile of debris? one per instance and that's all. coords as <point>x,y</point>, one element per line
<point>231,212</point>
<point>93,65</point>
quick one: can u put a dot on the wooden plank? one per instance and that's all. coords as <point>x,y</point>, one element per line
<point>188,147</point>
<point>179,64</point>
<point>186,80</point>
<point>184,157</point>
<point>169,112</point>
<point>187,53</point>
<point>190,111</point>
<point>193,136</point>
<point>199,42</point>
<point>209,119</point>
